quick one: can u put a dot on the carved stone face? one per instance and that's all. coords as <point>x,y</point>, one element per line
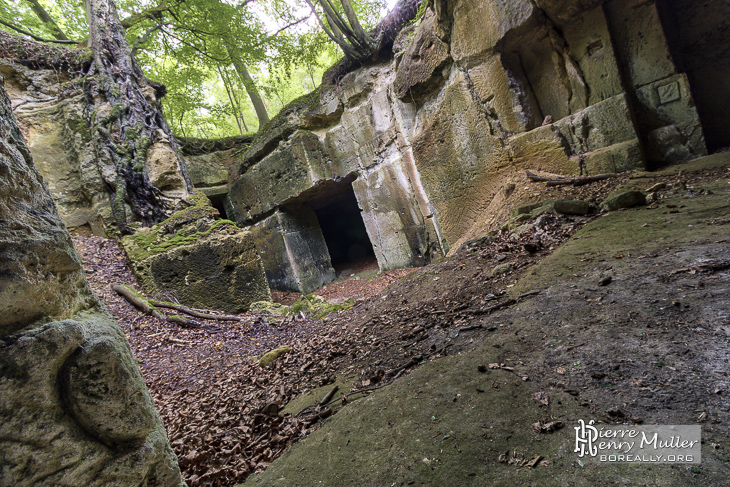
<point>106,395</point>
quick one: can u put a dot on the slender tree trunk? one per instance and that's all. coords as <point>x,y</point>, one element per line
<point>239,108</point>
<point>248,83</point>
<point>123,134</point>
<point>41,13</point>
<point>230,99</point>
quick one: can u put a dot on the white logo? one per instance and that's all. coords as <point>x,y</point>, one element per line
<point>638,443</point>
<point>585,437</point>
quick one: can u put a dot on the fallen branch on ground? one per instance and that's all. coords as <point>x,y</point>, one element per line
<point>328,397</point>
<point>575,181</point>
<point>193,313</point>
<point>148,306</point>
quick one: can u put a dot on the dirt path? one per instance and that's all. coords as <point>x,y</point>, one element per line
<point>647,345</point>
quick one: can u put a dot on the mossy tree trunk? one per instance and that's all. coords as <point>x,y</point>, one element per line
<point>125,119</point>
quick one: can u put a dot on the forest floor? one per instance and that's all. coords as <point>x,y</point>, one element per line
<point>620,317</point>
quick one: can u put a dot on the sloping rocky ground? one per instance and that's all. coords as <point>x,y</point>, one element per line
<point>627,321</point>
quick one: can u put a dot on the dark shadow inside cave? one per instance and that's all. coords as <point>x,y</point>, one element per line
<point>218,204</point>
<point>343,229</point>
<point>696,33</point>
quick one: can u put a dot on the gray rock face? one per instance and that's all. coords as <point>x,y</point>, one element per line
<point>104,394</point>
<point>74,407</point>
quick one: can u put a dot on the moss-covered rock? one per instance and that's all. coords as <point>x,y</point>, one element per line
<point>310,303</point>
<point>623,199</point>
<point>206,263</point>
<point>271,356</point>
<point>74,406</point>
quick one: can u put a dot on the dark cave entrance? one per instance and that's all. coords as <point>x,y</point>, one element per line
<point>218,203</point>
<point>344,230</point>
<point>697,36</point>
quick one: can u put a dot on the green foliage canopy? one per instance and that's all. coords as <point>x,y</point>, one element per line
<point>192,46</point>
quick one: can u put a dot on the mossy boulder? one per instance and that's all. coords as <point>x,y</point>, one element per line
<point>203,262</point>
<point>271,356</point>
<point>308,303</point>
<point>623,199</point>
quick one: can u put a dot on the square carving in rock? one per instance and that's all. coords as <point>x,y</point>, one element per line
<point>669,93</point>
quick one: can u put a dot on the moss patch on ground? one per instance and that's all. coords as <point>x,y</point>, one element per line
<point>308,303</point>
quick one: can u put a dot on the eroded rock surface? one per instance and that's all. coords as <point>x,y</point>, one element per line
<point>476,92</point>
<point>74,407</point>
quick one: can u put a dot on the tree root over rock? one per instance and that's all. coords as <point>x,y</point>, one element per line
<point>575,181</point>
<point>149,306</point>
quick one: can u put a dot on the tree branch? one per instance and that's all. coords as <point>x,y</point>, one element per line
<point>154,13</point>
<point>339,40</point>
<point>292,24</point>
<point>562,180</point>
<point>149,306</point>
<point>33,36</point>
<point>142,39</point>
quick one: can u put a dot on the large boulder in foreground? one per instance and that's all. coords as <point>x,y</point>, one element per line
<point>74,407</point>
<point>200,261</point>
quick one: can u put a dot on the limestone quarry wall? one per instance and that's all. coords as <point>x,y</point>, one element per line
<point>428,138</point>
<point>478,90</point>
<point>74,407</point>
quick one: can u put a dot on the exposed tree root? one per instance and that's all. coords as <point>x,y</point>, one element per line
<point>149,306</point>
<point>561,180</point>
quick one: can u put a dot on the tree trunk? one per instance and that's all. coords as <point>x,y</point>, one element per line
<point>125,119</point>
<point>41,13</point>
<point>248,83</point>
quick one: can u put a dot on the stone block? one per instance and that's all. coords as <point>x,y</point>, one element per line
<point>479,25</point>
<point>293,250</point>
<point>207,170</point>
<point>219,270</point>
<point>669,102</point>
<point>362,136</point>
<point>590,45</point>
<point>639,41</point>
<point>392,220</point>
<point>623,156</point>
<point>601,125</point>
<point>544,148</point>
<point>668,144</point>
<point>293,168</point>
<point>419,71</point>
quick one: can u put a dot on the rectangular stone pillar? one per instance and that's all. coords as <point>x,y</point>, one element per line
<point>293,250</point>
<point>391,216</point>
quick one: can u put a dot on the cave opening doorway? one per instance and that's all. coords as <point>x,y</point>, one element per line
<point>344,232</point>
<point>218,202</point>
